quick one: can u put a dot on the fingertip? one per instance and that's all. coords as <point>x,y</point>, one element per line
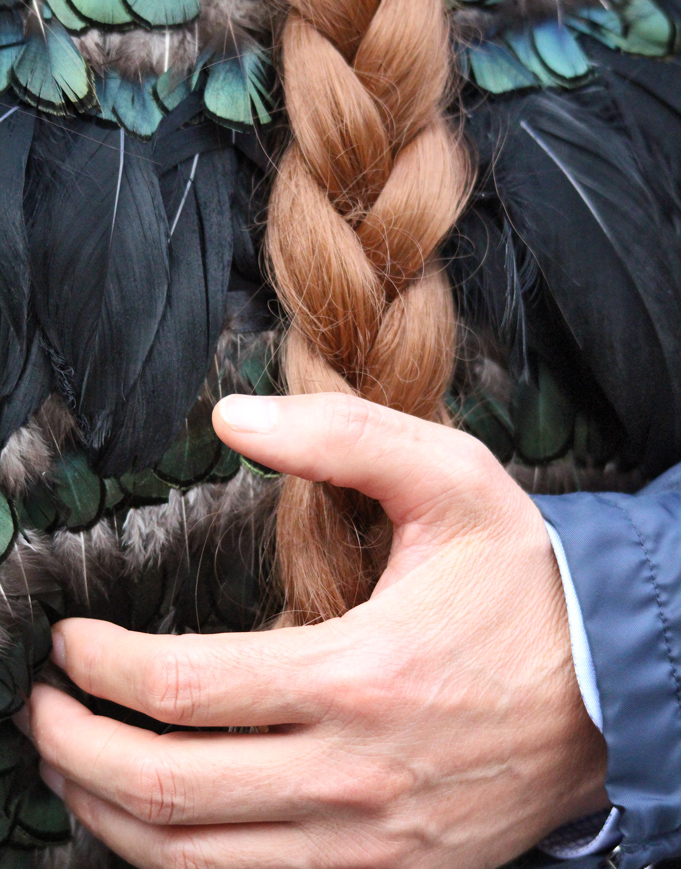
<point>246,414</point>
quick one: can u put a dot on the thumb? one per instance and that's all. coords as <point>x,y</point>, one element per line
<point>416,469</point>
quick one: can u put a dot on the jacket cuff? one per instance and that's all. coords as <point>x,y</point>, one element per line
<point>624,555</point>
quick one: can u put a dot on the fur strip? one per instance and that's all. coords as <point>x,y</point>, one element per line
<point>138,53</point>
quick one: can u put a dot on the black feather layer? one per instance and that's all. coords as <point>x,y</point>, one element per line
<point>586,185</point>
<point>17,125</point>
<point>99,252</point>
<point>197,196</point>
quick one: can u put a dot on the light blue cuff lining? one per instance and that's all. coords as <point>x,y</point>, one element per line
<point>570,841</point>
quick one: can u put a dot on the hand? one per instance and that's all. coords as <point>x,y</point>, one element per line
<point>438,725</point>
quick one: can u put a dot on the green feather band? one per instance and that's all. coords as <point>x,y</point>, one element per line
<point>46,70</point>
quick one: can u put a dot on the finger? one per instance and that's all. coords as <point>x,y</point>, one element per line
<point>267,846</point>
<point>408,464</point>
<point>189,778</point>
<point>204,680</point>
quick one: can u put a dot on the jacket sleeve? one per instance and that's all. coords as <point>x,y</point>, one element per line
<point>624,556</point>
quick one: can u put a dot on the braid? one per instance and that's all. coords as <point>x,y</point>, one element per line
<point>368,187</point>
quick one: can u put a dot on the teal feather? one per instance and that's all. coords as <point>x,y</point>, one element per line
<point>8,526</point>
<point>15,678</point>
<point>170,90</point>
<point>605,25</point>
<point>548,54</point>
<point>71,21</point>
<point>11,43</point>
<point>129,104</point>
<point>486,419</point>
<point>38,510</point>
<point>144,487</point>
<point>257,368</point>
<point>106,13</point>
<point>558,50</point>
<point>543,417</point>
<point>114,493</point>
<point>163,13</point>
<point>638,27</point>
<point>648,30</point>
<point>237,88</point>
<point>41,818</point>
<point>522,45</point>
<point>107,90</point>
<point>50,74</point>
<point>497,70</point>
<point>228,465</point>
<point>75,499</point>
<point>135,108</point>
<point>194,453</point>
<point>80,494</point>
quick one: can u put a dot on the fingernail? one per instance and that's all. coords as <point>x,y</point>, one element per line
<point>58,649</point>
<point>22,720</point>
<point>249,413</point>
<point>52,779</point>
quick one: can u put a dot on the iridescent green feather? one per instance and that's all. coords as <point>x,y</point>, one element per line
<point>73,22</point>
<point>237,88</point>
<point>50,74</point>
<point>136,110</point>
<point>170,90</point>
<point>497,70</point>
<point>548,54</point>
<point>8,526</point>
<point>163,13</point>
<point>194,453</point>
<point>80,494</point>
<point>543,417</point>
<point>129,104</point>
<point>106,13</point>
<point>560,54</point>
<point>145,487</point>
<point>648,30</point>
<point>41,818</point>
<point>11,43</point>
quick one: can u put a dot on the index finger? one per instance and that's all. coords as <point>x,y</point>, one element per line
<point>204,680</point>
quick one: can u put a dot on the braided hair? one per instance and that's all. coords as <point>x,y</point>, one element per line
<point>370,183</point>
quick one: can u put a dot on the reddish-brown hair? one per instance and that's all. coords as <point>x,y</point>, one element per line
<point>371,182</point>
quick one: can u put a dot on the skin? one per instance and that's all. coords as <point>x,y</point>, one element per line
<point>438,725</point>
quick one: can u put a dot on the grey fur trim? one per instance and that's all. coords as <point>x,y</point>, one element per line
<point>137,53</point>
<point>25,458</point>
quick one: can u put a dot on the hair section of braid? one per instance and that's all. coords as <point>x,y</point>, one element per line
<point>371,182</point>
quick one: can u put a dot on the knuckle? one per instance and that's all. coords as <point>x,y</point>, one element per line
<point>365,683</point>
<point>171,687</point>
<point>377,791</point>
<point>157,797</point>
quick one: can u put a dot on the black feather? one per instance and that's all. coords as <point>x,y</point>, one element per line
<point>595,200</point>
<point>197,195</point>
<point>32,389</point>
<point>99,252</point>
<point>16,135</point>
